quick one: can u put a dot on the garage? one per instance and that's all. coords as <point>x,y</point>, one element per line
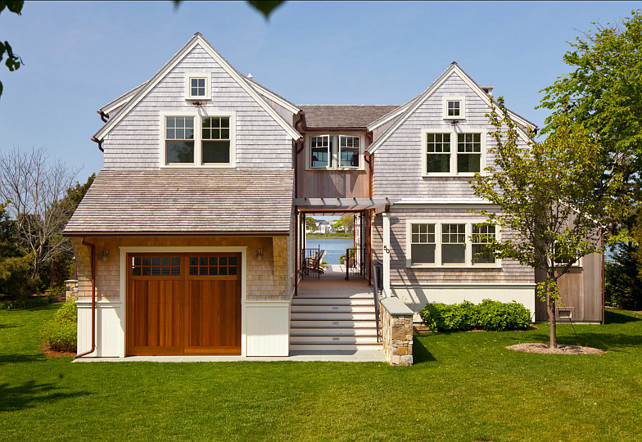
<point>183,304</point>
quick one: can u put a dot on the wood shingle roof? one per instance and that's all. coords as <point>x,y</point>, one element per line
<point>185,202</point>
<point>343,116</point>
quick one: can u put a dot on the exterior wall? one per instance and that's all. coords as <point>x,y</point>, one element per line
<point>418,286</point>
<point>580,290</point>
<point>268,279</point>
<point>398,162</point>
<point>260,142</point>
<point>268,290</point>
<point>330,183</point>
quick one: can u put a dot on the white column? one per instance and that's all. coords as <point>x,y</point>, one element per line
<point>386,252</point>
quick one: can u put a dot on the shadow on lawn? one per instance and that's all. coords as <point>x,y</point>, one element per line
<point>31,394</point>
<point>618,318</point>
<point>420,353</point>
<point>16,359</point>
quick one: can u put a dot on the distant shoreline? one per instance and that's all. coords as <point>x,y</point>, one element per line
<point>329,235</point>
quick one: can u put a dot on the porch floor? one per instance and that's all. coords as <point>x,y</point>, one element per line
<point>333,283</point>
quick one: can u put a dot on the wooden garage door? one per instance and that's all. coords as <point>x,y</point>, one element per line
<point>183,304</point>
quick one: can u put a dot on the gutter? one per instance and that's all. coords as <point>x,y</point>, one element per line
<point>93,299</point>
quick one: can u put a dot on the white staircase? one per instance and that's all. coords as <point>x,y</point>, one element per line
<point>334,320</point>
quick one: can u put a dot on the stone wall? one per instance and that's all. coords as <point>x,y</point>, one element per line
<point>268,278</point>
<point>396,327</point>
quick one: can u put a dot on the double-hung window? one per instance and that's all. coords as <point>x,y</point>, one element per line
<point>341,151</point>
<point>450,244</point>
<point>348,151</point>
<point>443,157</point>
<point>321,151</point>
<point>198,140</point>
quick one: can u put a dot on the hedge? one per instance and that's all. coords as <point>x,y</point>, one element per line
<point>489,315</point>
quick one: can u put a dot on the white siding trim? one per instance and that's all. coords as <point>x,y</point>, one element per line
<point>192,249</point>
<point>386,252</point>
<point>171,64</point>
<point>272,96</point>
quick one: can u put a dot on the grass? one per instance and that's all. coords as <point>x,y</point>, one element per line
<point>464,386</point>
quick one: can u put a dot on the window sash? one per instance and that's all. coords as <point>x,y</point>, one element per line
<point>349,149</point>
<point>438,153</point>
<point>423,245</point>
<point>453,108</point>
<point>197,87</point>
<point>179,140</point>
<point>321,151</point>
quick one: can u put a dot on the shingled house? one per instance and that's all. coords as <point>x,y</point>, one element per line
<point>191,239</point>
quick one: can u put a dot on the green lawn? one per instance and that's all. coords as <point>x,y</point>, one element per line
<point>464,386</point>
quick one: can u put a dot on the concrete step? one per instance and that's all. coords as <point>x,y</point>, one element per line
<point>333,309</point>
<point>335,347</point>
<point>331,316</point>
<point>333,323</point>
<point>332,301</point>
<point>334,295</point>
<point>330,340</point>
<point>333,331</point>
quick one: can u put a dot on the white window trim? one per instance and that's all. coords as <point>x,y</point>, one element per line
<point>468,263</point>
<point>453,150</point>
<point>462,108</point>
<point>198,115</point>
<point>335,150</point>
<point>208,85</point>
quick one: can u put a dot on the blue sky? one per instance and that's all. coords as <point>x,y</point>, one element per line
<point>80,55</point>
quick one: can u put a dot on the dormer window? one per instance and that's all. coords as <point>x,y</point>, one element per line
<point>340,151</point>
<point>198,86</point>
<point>454,108</point>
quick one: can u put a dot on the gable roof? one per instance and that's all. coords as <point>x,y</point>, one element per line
<point>185,202</point>
<point>343,116</point>
<point>413,104</point>
<point>137,94</point>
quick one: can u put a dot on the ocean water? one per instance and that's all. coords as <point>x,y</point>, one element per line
<point>334,247</point>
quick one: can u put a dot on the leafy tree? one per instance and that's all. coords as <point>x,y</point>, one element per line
<point>552,200</point>
<point>310,223</point>
<point>346,222</point>
<point>12,62</point>
<point>603,93</point>
<point>15,270</point>
<point>623,277</point>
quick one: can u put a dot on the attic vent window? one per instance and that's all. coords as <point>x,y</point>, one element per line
<point>198,86</point>
<point>454,108</point>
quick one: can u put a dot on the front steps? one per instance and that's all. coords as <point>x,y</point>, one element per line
<point>338,320</point>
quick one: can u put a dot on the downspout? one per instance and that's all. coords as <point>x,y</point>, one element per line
<point>99,142</point>
<point>93,298</point>
<point>604,275</point>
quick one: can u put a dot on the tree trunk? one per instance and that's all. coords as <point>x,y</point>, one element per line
<point>550,307</point>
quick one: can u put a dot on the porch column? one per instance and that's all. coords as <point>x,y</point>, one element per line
<point>386,253</point>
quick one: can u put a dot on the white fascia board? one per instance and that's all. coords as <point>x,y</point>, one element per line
<point>245,84</point>
<point>426,94</point>
<point>449,201</point>
<point>389,116</point>
<point>272,96</point>
<point>171,64</point>
<point>149,85</point>
<point>414,106</point>
<point>120,101</point>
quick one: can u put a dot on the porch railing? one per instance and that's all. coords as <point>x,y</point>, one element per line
<point>311,261</point>
<point>354,261</point>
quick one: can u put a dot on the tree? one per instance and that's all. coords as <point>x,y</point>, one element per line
<point>346,222</point>
<point>553,202</point>
<point>14,268</point>
<point>37,193</point>
<point>603,93</point>
<point>310,223</point>
<point>12,62</point>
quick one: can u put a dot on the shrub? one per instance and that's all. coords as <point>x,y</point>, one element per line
<point>489,315</point>
<point>59,334</point>
<point>16,283</point>
<point>34,301</point>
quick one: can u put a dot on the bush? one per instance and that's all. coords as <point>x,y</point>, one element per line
<point>15,278</point>
<point>623,280</point>
<point>59,334</point>
<point>489,315</point>
<point>34,301</point>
